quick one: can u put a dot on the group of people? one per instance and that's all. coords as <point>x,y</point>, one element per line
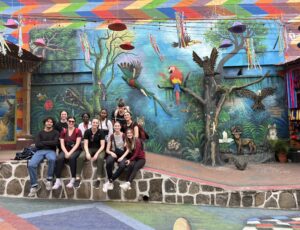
<point>101,140</point>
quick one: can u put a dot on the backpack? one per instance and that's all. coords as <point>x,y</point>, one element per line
<point>26,154</point>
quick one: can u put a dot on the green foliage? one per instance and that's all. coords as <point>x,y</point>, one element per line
<point>279,146</point>
<point>153,146</point>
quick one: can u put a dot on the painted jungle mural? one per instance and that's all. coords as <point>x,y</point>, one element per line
<point>188,82</point>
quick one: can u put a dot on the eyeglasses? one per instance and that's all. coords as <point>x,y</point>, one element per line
<point>71,121</point>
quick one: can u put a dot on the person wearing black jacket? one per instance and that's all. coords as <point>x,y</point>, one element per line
<point>46,142</point>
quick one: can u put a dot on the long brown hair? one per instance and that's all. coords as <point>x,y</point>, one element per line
<point>130,143</point>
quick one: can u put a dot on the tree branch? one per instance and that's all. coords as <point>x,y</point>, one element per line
<point>251,83</point>
<point>193,94</point>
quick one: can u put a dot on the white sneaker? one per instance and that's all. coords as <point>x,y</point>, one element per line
<point>48,185</point>
<point>71,183</point>
<point>107,186</point>
<point>33,191</point>
<point>57,184</point>
<point>125,186</point>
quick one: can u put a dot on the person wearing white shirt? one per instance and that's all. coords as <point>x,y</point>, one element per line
<point>86,123</point>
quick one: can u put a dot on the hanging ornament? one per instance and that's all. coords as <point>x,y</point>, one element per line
<point>40,42</point>
<point>20,42</point>
<point>127,46</point>
<point>11,23</point>
<point>3,45</point>
<point>117,25</point>
<point>180,29</point>
<point>237,28</point>
<point>225,43</point>
<point>85,46</point>
<point>251,56</point>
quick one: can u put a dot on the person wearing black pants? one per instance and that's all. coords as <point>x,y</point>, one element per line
<point>70,140</point>
<point>116,153</point>
<point>136,161</point>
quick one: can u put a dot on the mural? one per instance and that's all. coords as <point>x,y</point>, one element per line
<point>7,114</point>
<point>155,69</point>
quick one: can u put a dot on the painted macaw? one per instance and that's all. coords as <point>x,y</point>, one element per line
<point>131,72</point>
<point>176,79</point>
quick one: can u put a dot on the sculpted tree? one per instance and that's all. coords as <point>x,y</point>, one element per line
<point>215,91</point>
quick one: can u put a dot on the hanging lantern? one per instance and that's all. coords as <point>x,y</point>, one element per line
<point>39,42</point>
<point>237,28</point>
<point>117,25</point>
<point>11,23</point>
<point>127,46</point>
<point>225,43</point>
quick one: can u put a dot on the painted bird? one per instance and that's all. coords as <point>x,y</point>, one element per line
<point>176,79</point>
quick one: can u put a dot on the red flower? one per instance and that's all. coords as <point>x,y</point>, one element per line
<point>48,105</point>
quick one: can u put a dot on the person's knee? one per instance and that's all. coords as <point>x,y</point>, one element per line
<point>32,164</point>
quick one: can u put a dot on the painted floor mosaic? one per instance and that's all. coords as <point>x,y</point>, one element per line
<point>274,223</point>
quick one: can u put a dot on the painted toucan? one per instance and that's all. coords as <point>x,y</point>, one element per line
<point>176,79</point>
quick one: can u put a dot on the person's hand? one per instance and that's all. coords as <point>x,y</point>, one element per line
<point>120,159</point>
<point>113,155</point>
<point>94,157</point>
<point>127,162</point>
<point>67,155</point>
<point>88,156</point>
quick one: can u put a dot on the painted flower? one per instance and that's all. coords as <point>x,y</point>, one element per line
<point>48,105</point>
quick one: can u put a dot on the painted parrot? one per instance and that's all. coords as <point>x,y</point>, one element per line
<point>131,72</point>
<point>176,79</point>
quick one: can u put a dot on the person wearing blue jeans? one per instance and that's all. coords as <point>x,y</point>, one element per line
<point>46,143</point>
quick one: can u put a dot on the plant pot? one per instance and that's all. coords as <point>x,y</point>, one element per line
<point>282,157</point>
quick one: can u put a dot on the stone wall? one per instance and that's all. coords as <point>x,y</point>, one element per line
<point>149,186</point>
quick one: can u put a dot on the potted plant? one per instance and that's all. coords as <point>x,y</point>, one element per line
<point>281,148</point>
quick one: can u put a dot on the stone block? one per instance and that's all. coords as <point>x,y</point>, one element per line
<point>26,188</point>
<point>179,199</point>
<point>170,186</point>
<point>194,188</point>
<point>202,199</point>
<point>131,194</point>
<point>21,171</point>
<point>5,170</point>
<point>57,193</point>
<point>142,186</point>
<point>222,199</point>
<point>155,191</point>
<point>188,199</point>
<point>148,175</point>
<point>115,194</point>
<point>271,203</point>
<point>183,186</point>
<point>66,173</point>
<point>2,187</point>
<point>68,193</point>
<point>14,187</point>
<point>212,199</point>
<point>87,171</point>
<point>139,175</point>
<point>84,191</point>
<point>156,175</point>
<point>235,199</point>
<point>247,201</point>
<point>98,194</point>
<point>259,199</point>
<point>170,199</point>
<point>43,193</point>
<point>43,168</point>
<point>207,188</point>
<point>287,200</point>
